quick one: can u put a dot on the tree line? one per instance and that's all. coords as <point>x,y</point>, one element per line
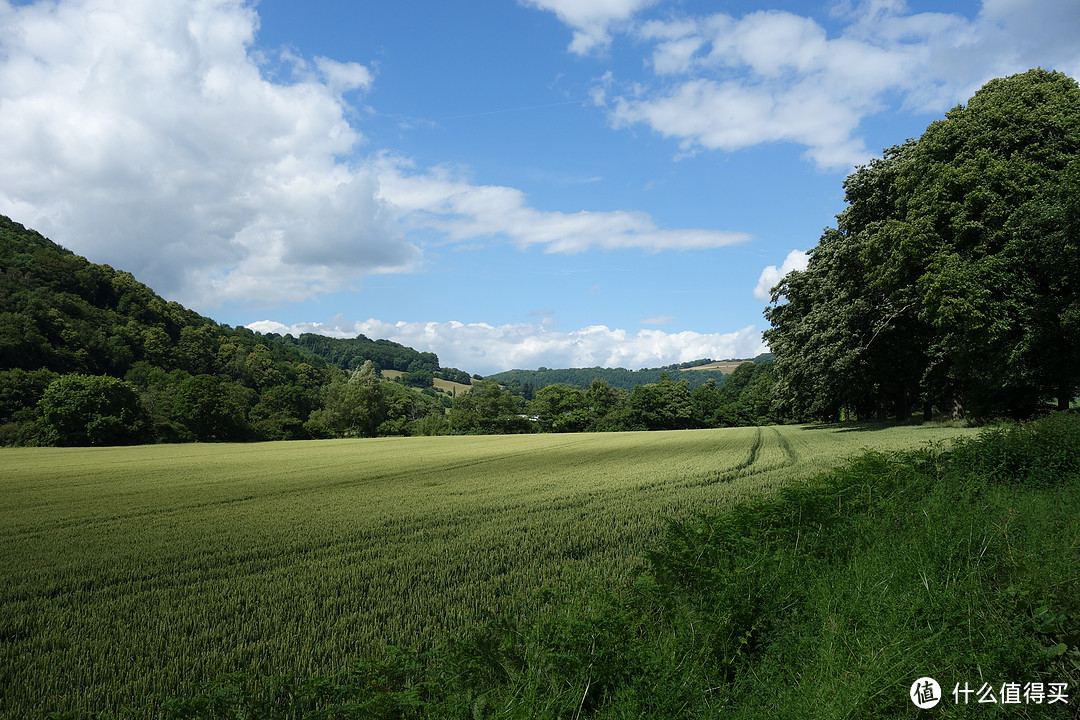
<point>743,399</point>
<point>532,380</point>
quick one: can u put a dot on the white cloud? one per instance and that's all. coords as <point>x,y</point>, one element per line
<point>591,20</point>
<point>485,349</point>
<point>148,135</point>
<point>771,275</point>
<point>441,200</point>
<point>154,137</point>
<point>343,77</point>
<point>724,83</point>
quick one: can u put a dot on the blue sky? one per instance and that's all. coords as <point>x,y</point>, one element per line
<point>505,183</point>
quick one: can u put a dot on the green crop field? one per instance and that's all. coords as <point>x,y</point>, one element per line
<point>130,572</point>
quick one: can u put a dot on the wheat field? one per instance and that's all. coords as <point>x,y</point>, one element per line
<point>128,573</point>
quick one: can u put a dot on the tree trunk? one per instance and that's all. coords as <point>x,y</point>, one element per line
<point>903,406</point>
<point>958,404</point>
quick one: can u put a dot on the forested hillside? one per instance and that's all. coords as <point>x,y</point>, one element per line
<point>89,355</point>
<point>952,279</point>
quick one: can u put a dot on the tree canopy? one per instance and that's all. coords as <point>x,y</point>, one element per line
<point>951,278</point>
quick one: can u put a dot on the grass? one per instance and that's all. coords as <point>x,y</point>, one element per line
<point>133,572</point>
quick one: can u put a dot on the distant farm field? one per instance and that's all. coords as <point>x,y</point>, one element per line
<point>131,572</point>
<point>724,366</point>
<point>447,386</point>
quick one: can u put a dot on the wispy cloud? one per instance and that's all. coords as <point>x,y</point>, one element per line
<point>440,199</point>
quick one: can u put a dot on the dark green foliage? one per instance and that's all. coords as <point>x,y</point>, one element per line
<point>559,408</point>
<point>664,405</point>
<point>488,410</point>
<point>20,390</point>
<point>352,353</point>
<point>353,405</point>
<point>197,380</point>
<point>92,410</point>
<point>826,600</point>
<point>951,279</point>
<point>210,408</point>
<point>1041,453</point>
<point>607,406</point>
<point>62,315</point>
<point>454,375</point>
<point>616,377</point>
<point>407,411</point>
<point>282,410</point>
<point>744,399</point>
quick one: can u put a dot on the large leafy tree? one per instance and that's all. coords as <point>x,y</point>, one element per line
<point>559,408</point>
<point>92,410</point>
<point>355,405</point>
<point>210,408</point>
<point>992,194</point>
<point>665,405</point>
<point>488,409</point>
<point>951,277</point>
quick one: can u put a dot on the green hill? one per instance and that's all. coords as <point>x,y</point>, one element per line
<point>125,365</point>
<point>621,377</point>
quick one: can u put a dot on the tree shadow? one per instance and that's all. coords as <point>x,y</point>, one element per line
<point>848,426</point>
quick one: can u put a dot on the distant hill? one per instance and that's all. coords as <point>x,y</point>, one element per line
<point>703,371</point>
<point>728,366</point>
<point>447,386</point>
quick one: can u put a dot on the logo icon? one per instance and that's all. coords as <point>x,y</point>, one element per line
<point>925,693</point>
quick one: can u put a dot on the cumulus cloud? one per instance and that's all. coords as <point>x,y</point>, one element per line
<point>591,20</point>
<point>486,349</point>
<point>149,136</point>
<point>156,138</point>
<point>440,199</point>
<point>771,275</point>
<point>722,82</point>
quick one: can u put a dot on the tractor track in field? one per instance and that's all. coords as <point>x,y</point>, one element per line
<point>750,466</point>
